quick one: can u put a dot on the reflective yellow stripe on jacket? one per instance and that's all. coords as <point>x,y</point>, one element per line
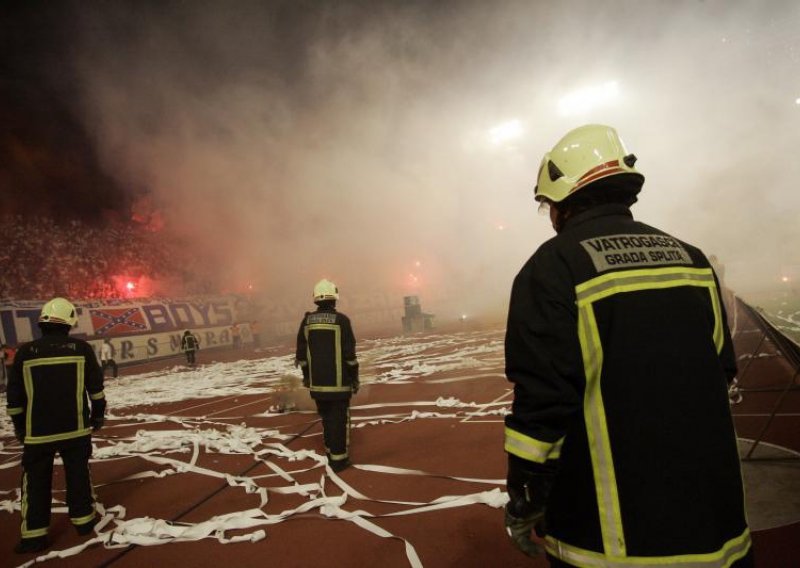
<point>594,412</point>
<point>81,429</point>
<point>531,449</point>
<point>731,551</point>
<point>337,330</point>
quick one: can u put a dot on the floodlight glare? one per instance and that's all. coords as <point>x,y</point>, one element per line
<point>586,99</point>
<point>506,131</point>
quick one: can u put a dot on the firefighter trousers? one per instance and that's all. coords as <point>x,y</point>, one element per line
<point>37,479</point>
<point>335,416</point>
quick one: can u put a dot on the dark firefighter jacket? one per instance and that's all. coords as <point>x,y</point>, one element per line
<point>55,384</point>
<point>326,352</point>
<point>619,350</point>
<point>190,343</point>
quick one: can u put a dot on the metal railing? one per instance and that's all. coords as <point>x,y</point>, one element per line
<point>786,348</point>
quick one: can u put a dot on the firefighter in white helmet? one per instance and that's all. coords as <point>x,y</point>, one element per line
<point>604,316</point>
<point>55,399</point>
<point>190,345</point>
<point>326,354</point>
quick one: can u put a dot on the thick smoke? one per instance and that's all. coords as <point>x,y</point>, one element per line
<point>294,140</point>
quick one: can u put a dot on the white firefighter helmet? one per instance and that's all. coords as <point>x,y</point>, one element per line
<point>325,290</point>
<point>59,310</point>
<point>585,155</point>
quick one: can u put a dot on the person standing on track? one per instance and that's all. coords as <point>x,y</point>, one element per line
<point>236,336</point>
<point>326,354</point>
<point>603,319</point>
<point>54,383</point>
<point>190,345</point>
<point>7,355</point>
<point>255,332</point>
<point>3,365</point>
<point>107,358</point>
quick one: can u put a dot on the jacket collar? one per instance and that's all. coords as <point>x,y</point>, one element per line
<point>607,210</point>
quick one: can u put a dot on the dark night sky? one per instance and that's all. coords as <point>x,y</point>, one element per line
<point>46,157</point>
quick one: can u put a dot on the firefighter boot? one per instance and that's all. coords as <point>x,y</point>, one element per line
<point>340,465</point>
<point>28,545</point>
<point>87,528</point>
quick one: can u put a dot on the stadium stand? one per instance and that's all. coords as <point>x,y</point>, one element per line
<point>80,261</point>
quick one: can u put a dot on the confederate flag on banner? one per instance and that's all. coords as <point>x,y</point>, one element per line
<point>117,321</point>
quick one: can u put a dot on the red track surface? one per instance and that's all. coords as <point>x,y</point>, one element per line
<point>446,447</point>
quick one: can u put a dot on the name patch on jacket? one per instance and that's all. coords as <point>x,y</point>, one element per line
<point>321,317</point>
<point>614,251</point>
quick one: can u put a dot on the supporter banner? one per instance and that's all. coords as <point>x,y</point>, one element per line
<point>139,348</point>
<point>121,318</point>
<point>124,318</point>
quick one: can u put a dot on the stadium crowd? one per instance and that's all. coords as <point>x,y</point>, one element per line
<point>80,261</point>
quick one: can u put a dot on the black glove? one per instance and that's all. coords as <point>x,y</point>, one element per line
<point>97,423</point>
<point>528,486</point>
<point>519,530</point>
<point>19,434</point>
<point>352,373</point>
<point>306,376</point>
<point>97,418</point>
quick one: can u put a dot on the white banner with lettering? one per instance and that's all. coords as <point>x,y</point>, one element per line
<point>139,330</point>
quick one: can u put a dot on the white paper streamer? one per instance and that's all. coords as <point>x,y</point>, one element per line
<point>178,442</point>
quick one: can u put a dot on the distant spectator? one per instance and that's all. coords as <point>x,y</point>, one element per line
<point>8,353</point>
<point>3,364</point>
<point>255,331</point>
<point>107,357</point>
<point>236,336</point>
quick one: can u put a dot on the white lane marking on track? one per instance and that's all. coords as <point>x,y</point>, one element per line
<point>468,378</point>
<point>182,410</point>
<point>484,406</point>
<point>776,446</point>
<point>239,406</point>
